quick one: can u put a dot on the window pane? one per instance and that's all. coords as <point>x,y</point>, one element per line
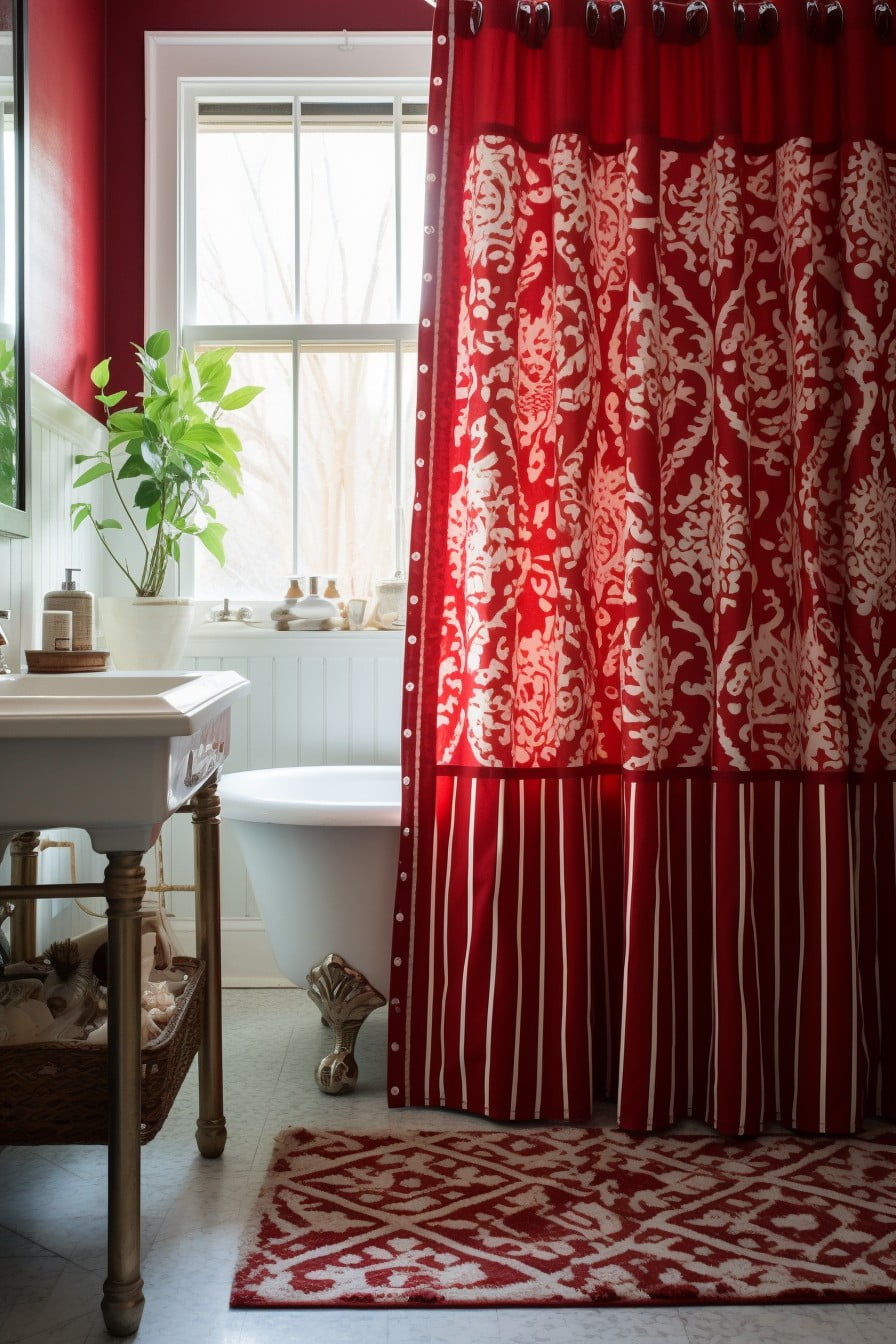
<point>413,168</point>
<point>346,472</point>
<point>258,544</point>
<point>245,236</point>
<point>347,214</point>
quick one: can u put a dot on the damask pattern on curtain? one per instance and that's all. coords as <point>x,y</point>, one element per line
<point>649,751</point>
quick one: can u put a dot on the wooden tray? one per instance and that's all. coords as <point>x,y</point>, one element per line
<point>71,660</point>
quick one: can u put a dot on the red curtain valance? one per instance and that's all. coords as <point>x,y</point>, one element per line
<point>685,93</point>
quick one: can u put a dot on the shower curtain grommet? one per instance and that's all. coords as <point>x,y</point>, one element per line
<point>605,22</point>
<point>883,21</point>
<point>474,18</point>
<point>824,21</point>
<point>677,22</point>
<point>756,23</point>
<point>533,21</point>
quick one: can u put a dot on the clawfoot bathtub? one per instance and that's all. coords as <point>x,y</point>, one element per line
<point>320,845</point>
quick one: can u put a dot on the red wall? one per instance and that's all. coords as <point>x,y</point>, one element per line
<point>87,169</point>
<point>66,206</point>
<point>126,25</point>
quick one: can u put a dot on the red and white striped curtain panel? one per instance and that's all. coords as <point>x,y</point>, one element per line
<point>649,727</point>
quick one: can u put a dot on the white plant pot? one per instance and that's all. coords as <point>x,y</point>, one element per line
<point>145,633</point>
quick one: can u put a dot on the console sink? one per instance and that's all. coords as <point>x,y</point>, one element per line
<point>113,753</point>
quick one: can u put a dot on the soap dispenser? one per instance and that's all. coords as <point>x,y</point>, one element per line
<point>80,603</point>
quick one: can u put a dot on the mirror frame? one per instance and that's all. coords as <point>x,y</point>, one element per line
<point>16,521</point>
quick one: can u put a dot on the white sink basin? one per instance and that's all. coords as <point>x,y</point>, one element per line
<point>112,753</point>
<point>111,704</point>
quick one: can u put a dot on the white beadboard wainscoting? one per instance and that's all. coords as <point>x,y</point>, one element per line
<point>30,567</point>
<point>317,698</point>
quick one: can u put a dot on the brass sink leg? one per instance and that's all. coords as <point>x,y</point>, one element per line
<point>23,873</point>
<point>125,884</point>
<point>211,1127</point>
<point>344,1000</point>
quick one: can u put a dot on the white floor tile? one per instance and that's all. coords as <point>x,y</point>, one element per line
<point>593,1325</point>
<point>875,1322</point>
<point>810,1324</point>
<point>52,1223</point>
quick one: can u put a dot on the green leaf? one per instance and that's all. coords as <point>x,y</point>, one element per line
<point>230,480</point>
<point>221,354</point>
<point>127,422</point>
<point>197,456</point>
<point>133,466</point>
<point>230,447</point>
<point>93,473</point>
<point>148,493</point>
<point>212,539</point>
<point>234,401</point>
<point>149,455</point>
<point>158,345</point>
<point>214,383</point>
<point>109,524</point>
<point>99,374</point>
<point>79,511</point>
<point>113,442</point>
<point>155,374</point>
<point>201,434</point>
<point>112,399</point>
<point>177,428</point>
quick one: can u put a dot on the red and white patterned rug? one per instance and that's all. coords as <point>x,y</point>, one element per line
<point>569,1216</point>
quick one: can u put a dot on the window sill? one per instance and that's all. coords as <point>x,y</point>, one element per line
<point>214,640</point>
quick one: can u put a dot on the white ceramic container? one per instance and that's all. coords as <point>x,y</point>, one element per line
<point>145,633</point>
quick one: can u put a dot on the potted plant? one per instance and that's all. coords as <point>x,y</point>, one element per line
<point>162,458</point>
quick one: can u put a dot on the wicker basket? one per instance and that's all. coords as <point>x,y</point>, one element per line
<point>57,1091</point>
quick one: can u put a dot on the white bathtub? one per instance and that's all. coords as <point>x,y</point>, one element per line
<point>320,845</point>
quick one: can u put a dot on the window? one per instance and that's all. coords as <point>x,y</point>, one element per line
<point>300,239</point>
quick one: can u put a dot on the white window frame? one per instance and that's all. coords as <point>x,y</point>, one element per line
<point>177,63</point>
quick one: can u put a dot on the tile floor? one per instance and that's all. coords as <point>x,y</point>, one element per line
<point>52,1225</point>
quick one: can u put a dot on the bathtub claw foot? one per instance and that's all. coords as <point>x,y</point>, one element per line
<point>344,1000</point>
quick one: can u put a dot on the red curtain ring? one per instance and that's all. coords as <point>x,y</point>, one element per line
<point>754,23</point>
<point>605,22</point>
<point>475,20</point>
<point>533,21</point>
<point>696,18</point>
<point>679,22</point>
<point>884,24</point>
<point>824,21</point>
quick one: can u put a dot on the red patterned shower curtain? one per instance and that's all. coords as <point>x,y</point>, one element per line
<point>650,679</point>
